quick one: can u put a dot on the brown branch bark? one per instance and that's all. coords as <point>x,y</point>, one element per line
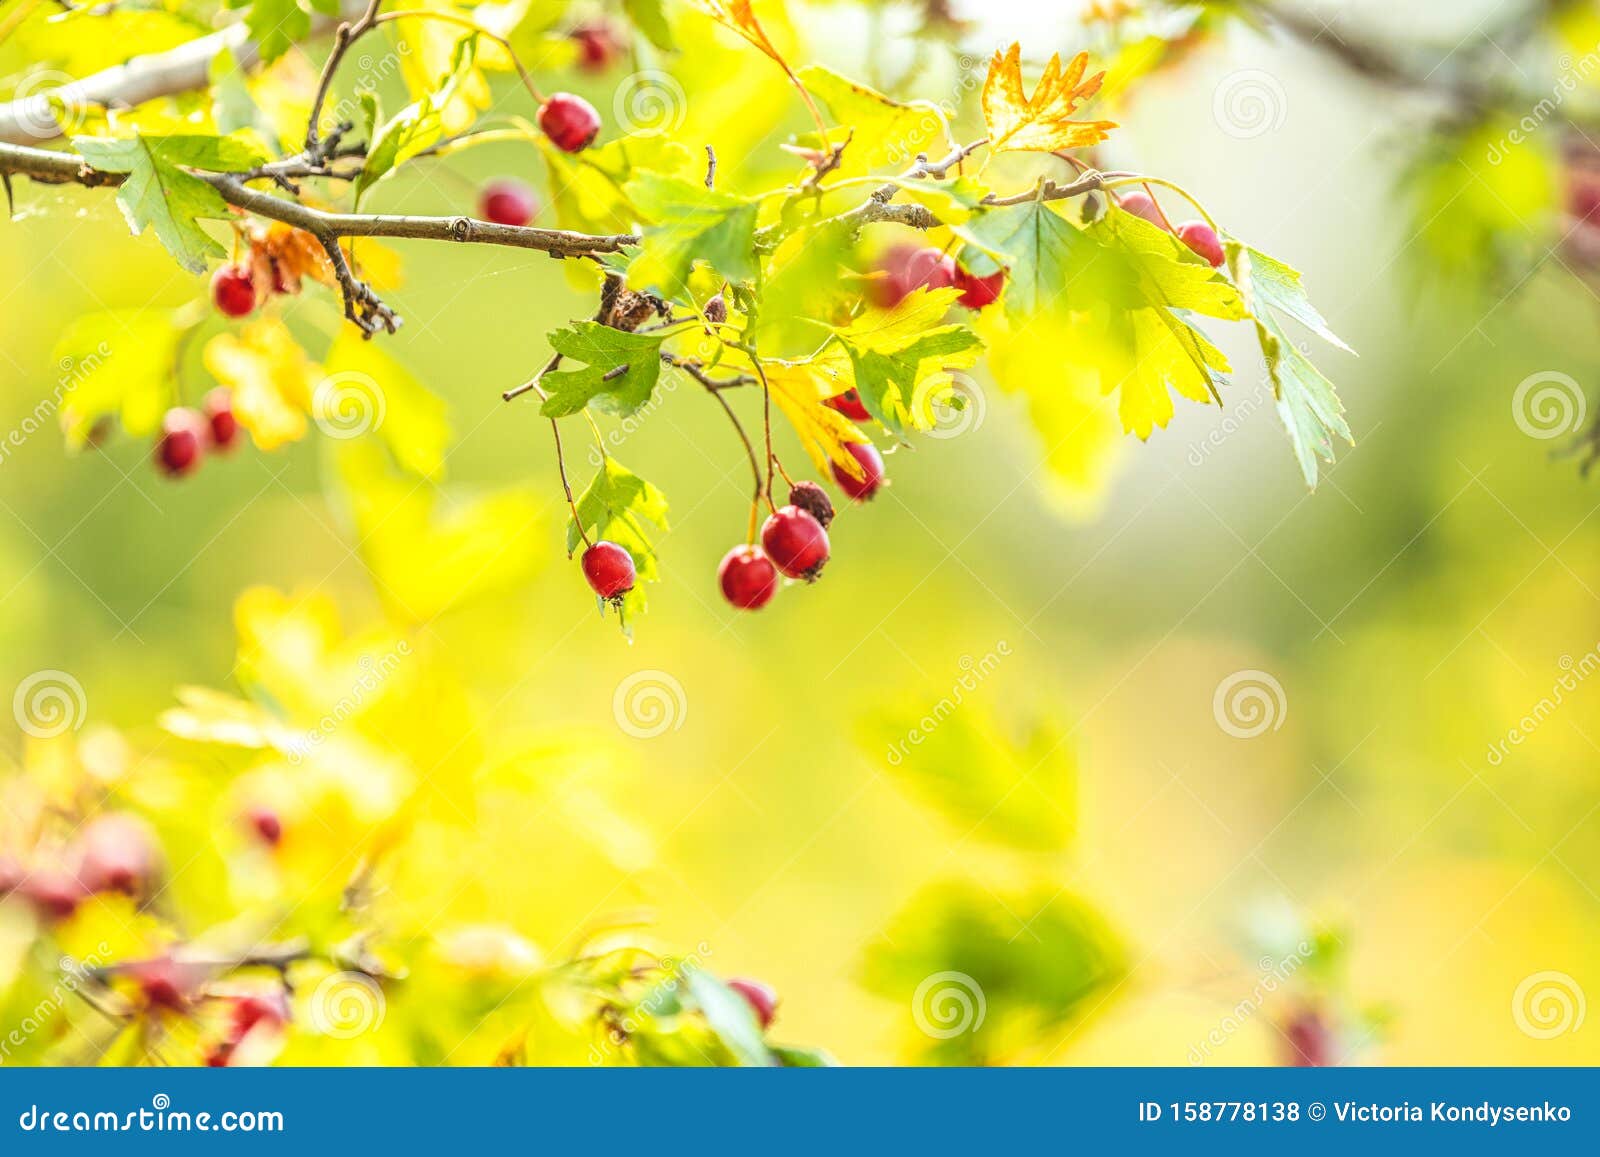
<point>185,68</point>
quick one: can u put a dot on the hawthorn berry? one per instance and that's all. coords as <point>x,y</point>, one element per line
<point>1143,205</point>
<point>569,121</point>
<point>748,578</point>
<point>977,292</point>
<point>863,488</point>
<point>598,48</point>
<point>184,434</point>
<point>233,290</point>
<point>266,825</point>
<point>795,542</point>
<point>1202,238</point>
<point>762,999</point>
<point>849,404</point>
<point>609,570</point>
<point>163,982</point>
<point>907,268</point>
<point>717,310</point>
<point>1308,1039</point>
<point>270,1007</point>
<point>117,853</point>
<point>218,409</point>
<point>814,500</point>
<point>53,891</point>
<point>507,202</point>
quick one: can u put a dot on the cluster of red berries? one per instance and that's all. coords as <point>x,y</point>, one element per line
<point>189,434</point>
<point>115,853</point>
<point>1197,235</point>
<point>794,544</point>
<point>904,269</point>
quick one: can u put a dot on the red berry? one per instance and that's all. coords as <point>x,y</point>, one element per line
<point>814,500</point>
<point>218,407</point>
<point>907,268</point>
<point>748,578</point>
<point>271,1008</point>
<point>1202,238</point>
<point>762,999</point>
<point>849,404</point>
<point>184,434</point>
<point>233,290</point>
<point>217,1058</point>
<point>53,891</point>
<point>609,569</point>
<point>871,461</point>
<point>164,982</point>
<point>796,543</point>
<point>1309,1040</point>
<point>264,822</point>
<point>1143,205</point>
<point>597,45</point>
<point>118,853</point>
<point>977,292</point>
<point>569,121</point>
<point>507,202</point>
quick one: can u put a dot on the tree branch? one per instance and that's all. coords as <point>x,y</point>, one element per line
<point>186,68</point>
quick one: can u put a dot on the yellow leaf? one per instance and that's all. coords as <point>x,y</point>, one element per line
<point>1043,123</point>
<point>799,390</point>
<point>271,378</point>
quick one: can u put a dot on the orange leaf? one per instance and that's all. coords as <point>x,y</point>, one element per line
<point>740,16</point>
<point>1043,123</point>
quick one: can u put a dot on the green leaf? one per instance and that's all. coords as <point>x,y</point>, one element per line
<point>1044,250</point>
<point>895,351</point>
<point>118,364</point>
<point>1014,788</point>
<point>160,195</point>
<point>730,1017</point>
<point>415,424</point>
<point>795,1057</point>
<point>417,127</point>
<point>276,26</point>
<point>687,223</point>
<point>620,370</point>
<point>1269,282</point>
<point>982,971</point>
<point>619,506</point>
<point>1307,402</point>
<point>649,18</point>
